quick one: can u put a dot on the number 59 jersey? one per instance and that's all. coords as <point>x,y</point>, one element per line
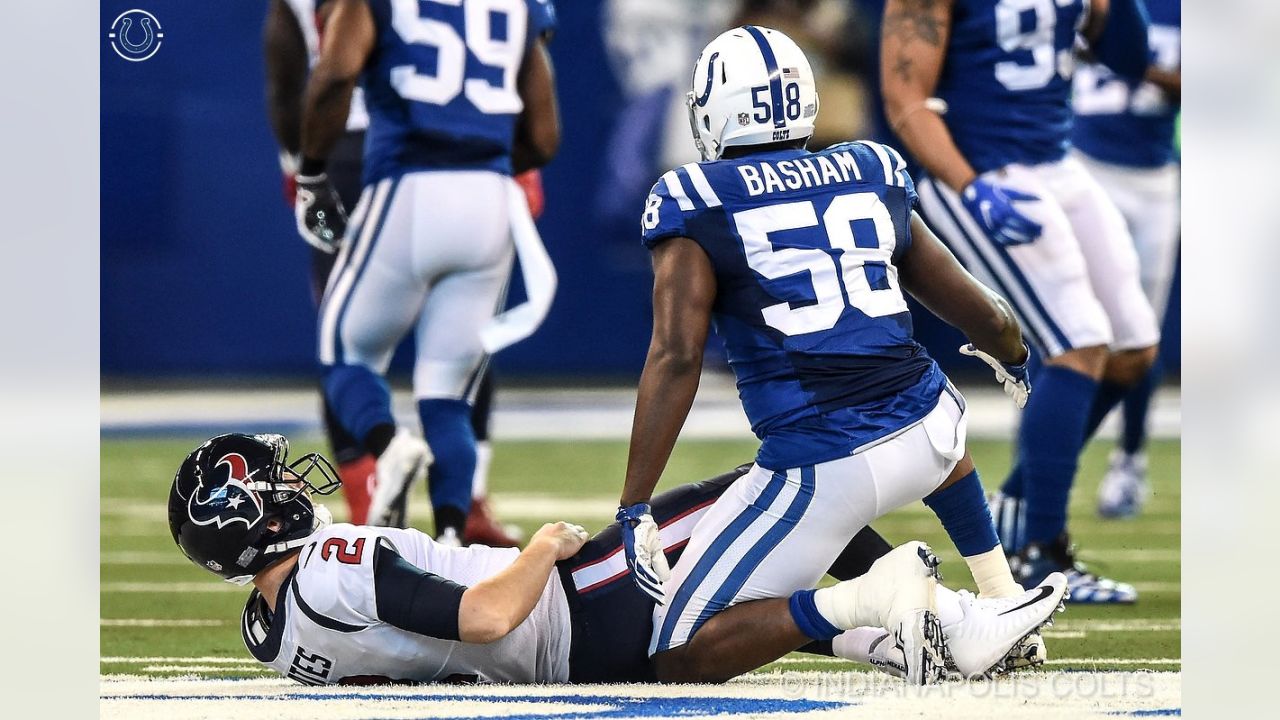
<point>440,84</point>
<point>815,326</point>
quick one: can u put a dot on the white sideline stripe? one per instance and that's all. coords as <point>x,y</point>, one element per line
<point>160,622</point>
<point>171,587</point>
<point>149,660</point>
<point>1127,625</point>
<point>245,667</point>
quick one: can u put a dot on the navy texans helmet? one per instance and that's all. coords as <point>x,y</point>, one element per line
<point>228,490</point>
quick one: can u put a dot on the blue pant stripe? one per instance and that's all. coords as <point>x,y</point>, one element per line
<point>722,543</point>
<point>373,244</point>
<point>962,237</point>
<point>765,545</point>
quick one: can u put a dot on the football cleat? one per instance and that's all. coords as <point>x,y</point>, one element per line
<point>907,578</point>
<point>989,638</point>
<point>449,538</point>
<point>483,529</point>
<point>1124,489</point>
<point>886,656</point>
<point>403,463</point>
<point>1035,562</point>
<point>1028,653</point>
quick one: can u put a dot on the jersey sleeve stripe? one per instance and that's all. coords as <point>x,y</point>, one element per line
<point>889,177</point>
<point>899,165</point>
<point>676,188</point>
<point>700,184</point>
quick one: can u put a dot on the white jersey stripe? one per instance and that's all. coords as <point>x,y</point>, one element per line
<point>701,185</point>
<point>342,287</point>
<point>674,534</point>
<point>677,190</point>
<point>889,177</point>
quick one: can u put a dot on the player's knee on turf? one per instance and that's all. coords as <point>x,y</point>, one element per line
<point>1128,367</point>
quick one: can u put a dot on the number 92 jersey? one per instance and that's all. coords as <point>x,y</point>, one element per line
<point>808,304</point>
<point>1006,78</point>
<point>440,84</point>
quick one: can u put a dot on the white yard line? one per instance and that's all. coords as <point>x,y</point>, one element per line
<point>160,622</point>
<point>170,587</point>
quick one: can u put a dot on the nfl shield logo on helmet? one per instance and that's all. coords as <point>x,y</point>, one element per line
<point>744,119</point>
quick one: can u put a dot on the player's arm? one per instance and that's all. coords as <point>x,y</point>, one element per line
<point>422,602</point>
<point>684,288</point>
<point>913,43</point>
<point>1116,32</point>
<point>285,51</point>
<point>348,39</point>
<point>1170,81</point>
<point>933,276</point>
<point>538,127</point>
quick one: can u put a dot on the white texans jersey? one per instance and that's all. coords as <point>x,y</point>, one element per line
<point>326,629</point>
<point>305,12</point>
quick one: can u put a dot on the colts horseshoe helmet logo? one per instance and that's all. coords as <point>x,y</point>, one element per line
<point>135,35</point>
<point>227,502</point>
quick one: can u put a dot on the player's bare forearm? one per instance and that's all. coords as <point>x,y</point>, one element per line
<point>1170,81</point>
<point>348,39</point>
<point>913,43</point>
<point>538,127</point>
<point>494,607</point>
<point>285,52</point>
<point>933,276</point>
<point>747,636</point>
<point>684,288</point>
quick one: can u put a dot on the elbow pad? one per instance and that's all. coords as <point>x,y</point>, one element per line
<point>1123,44</point>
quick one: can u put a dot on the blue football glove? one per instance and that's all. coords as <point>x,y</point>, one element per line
<point>643,549</point>
<point>992,208</point>
<point>1014,377</point>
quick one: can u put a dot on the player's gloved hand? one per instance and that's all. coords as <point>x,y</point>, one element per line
<point>992,207</point>
<point>566,539</point>
<point>643,549</point>
<point>322,221</point>
<point>1013,377</point>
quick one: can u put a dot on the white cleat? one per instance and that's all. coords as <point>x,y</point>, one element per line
<point>449,538</point>
<point>402,464</point>
<point>903,585</point>
<point>1124,489</point>
<point>995,635</point>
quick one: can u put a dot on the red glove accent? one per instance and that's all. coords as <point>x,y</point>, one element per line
<point>530,181</point>
<point>289,187</point>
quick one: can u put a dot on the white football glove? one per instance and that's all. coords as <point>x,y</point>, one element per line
<point>643,549</point>
<point>321,219</point>
<point>1013,377</point>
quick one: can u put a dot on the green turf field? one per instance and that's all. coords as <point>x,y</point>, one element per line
<point>163,616</point>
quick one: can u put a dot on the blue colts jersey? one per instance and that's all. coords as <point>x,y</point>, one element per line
<point>1131,123</point>
<point>808,304</point>
<point>441,83</point>
<point>1006,78</point>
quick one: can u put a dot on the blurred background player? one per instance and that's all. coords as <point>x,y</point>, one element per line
<point>291,46</point>
<point>1124,134</point>
<point>459,97</point>
<point>979,91</point>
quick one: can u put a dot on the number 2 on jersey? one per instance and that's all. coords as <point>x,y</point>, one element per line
<point>451,54</point>
<point>860,275</point>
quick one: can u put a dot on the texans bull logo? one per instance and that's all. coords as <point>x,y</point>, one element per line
<point>228,502</point>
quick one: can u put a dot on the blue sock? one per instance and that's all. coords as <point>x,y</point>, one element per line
<point>1104,401</point>
<point>1136,405</point>
<point>446,425</point>
<point>1013,484</point>
<point>962,510</point>
<point>1050,440</point>
<point>358,397</point>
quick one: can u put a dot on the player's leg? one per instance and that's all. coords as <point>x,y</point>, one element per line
<point>356,466</point>
<point>470,257</point>
<point>371,302</point>
<point>1047,283</point>
<point>482,526</point>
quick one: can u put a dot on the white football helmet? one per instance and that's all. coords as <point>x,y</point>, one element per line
<point>751,86</point>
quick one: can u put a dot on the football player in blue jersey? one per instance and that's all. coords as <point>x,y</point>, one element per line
<point>979,91</point>
<point>1124,134</point>
<point>460,95</point>
<point>800,260</point>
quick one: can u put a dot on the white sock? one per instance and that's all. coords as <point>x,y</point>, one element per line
<point>856,644</point>
<point>480,481</point>
<point>991,571</point>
